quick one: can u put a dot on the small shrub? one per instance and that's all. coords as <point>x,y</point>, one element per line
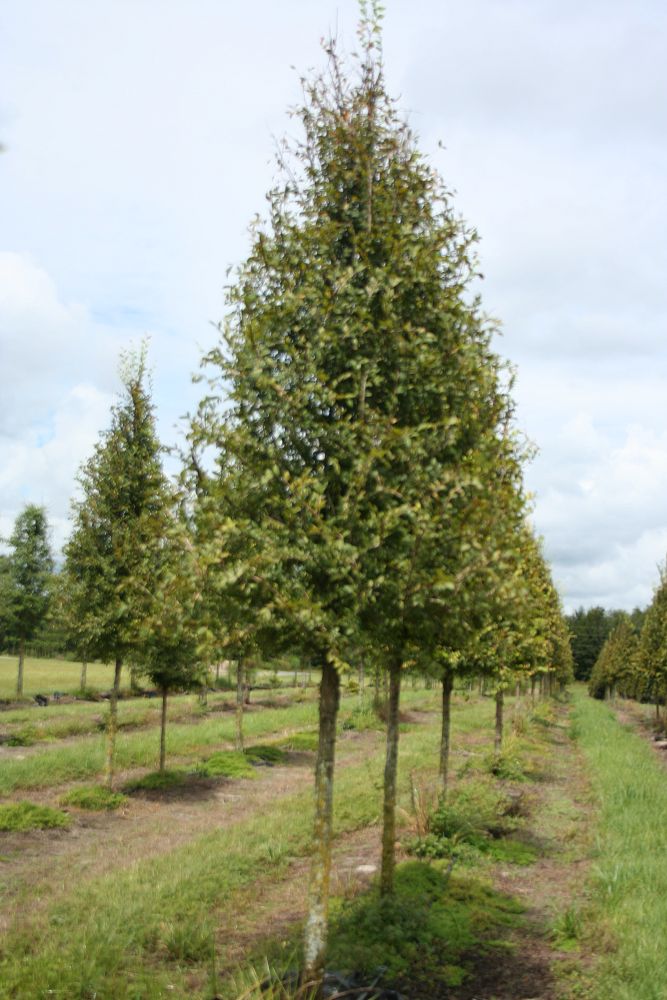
<point>93,797</point>
<point>508,764</point>
<point>20,816</point>
<point>226,764</point>
<point>156,781</point>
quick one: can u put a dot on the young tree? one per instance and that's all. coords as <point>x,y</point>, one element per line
<point>121,515</point>
<point>167,650</point>
<point>359,382</point>
<point>30,572</point>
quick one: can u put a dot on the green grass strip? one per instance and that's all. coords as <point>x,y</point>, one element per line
<point>629,912</point>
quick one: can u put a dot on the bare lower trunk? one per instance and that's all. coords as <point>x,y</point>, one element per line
<point>532,689</point>
<point>447,685</point>
<point>19,676</point>
<point>517,690</point>
<point>318,903</point>
<point>240,681</point>
<point>133,679</point>
<point>498,740</point>
<point>657,710</point>
<point>217,673</point>
<point>112,725</point>
<point>163,729</point>
<point>84,672</point>
<point>362,678</point>
<point>390,771</point>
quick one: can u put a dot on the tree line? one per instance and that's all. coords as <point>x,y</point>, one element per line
<point>352,485</point>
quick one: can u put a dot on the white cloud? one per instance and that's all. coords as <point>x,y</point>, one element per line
<point>139,140</point>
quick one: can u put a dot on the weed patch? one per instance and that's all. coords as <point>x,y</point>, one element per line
<point>226,764</point>
<point>157,781</point>
<point>424,933</point>
<point>266,753</point>
<point>93,797</point>
<point>20,816</point>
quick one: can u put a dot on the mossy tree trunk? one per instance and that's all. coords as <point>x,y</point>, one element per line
<point>19,675</point>
<point>498,739</point>
<point>318,905</point>
<point>240,683</point>
<point>447,687</point>
<point>390,772</point>
<point>163,729</point>
<point>112,725</point>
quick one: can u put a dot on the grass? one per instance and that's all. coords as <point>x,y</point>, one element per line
<point>43,676</point>
<point>114,935</point>
<point>422,935</point>
<point>20,816</point>
<point>84,759</point>
<point>227,764</point>
<point>95,798</point>
<point>629,885</point>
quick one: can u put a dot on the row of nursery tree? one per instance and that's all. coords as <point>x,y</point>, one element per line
<point>352,483</point>
<point>633,660</point>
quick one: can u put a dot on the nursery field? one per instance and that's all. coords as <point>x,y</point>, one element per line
<point>535,881</point>
<point>44,676</point>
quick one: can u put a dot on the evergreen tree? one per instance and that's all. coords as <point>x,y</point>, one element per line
<point>118,521</point>
<point>29,583</point>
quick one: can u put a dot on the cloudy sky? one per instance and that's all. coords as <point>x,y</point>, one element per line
<point>138,140</point>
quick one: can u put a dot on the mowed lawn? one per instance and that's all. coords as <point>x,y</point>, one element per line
<point>42,676</point>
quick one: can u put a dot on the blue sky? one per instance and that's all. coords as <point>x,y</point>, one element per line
<point>139,138</point>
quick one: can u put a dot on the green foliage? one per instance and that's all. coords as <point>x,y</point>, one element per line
<point>475,811</point>
<point>589,630</point>
<point>227,764</point>
<point>20,816</point>
<point>24,737</point>
<point>362,718</point>
<point>508,763</point>
<point>617,667</point>
<point>157,781</point>
<point>117,525</point>
<point>25,590</point>
<point>93,797</point>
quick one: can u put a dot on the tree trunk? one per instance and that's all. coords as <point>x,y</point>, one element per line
<point>657,709</point>
<point>163,729</point>
<point>361,681</point>
<point>240,680</point>
<point>19,676</point>
<point>517,690</point>
<point>318,902</point>
<point>447,686</point>
<point>376,689</point>
<point>133,679</point>
<point>112,725</point>
<point>498,739</point>
<point>390,771</point>
<point>217,673</point>
<point>84,672</point>
<point>532,689</point>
